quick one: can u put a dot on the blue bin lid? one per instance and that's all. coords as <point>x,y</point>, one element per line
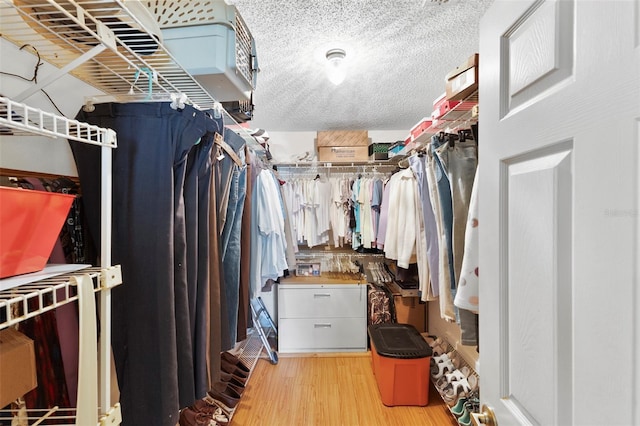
<point>398,341</point>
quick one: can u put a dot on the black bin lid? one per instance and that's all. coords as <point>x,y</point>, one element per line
<point>398,341</point>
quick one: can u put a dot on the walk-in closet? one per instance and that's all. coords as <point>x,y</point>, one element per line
<point>330,212</point>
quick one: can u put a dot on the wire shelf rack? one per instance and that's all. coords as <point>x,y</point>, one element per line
<point>18,119</point>
<point>101,43</point>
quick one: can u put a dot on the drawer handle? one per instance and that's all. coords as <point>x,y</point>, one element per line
<point>321,295</point>
<point>321,325</point>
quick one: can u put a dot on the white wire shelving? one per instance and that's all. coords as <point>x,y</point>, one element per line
<point>459,117</point>
<point>105,44</point>
<point>35,298</point>
<point>32,298</point>
<point>29,300</point>
<point>100,42</point>
<point>18,119</point>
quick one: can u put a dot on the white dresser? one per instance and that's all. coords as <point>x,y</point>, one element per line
<point>321,315</point>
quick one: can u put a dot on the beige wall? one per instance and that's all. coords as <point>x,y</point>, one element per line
<point>450,331</point>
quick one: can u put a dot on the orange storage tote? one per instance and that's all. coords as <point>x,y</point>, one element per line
<point>30,222</point>
<point>401,363</point>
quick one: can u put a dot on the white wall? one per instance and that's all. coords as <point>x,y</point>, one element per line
<point>289,146</point>
<point>450,331</point>
<point>35,153</point>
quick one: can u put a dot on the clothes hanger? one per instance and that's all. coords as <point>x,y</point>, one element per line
<point>177,100</point>
<point>451,138</point>
<point>461,136</point>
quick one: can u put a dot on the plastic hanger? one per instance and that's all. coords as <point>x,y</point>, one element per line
<point>177,100</point>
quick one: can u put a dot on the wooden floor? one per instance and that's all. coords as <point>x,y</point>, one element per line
<point>327,390</point>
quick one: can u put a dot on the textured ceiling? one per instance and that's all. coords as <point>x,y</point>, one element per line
<point>398,53</point>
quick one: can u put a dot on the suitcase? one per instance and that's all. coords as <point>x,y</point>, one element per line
<point>380,305</point>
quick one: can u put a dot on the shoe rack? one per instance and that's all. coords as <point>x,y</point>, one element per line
<point>29,295</point>
<point>457,383</point>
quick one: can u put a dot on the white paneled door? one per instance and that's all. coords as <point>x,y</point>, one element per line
<point>559,212</point>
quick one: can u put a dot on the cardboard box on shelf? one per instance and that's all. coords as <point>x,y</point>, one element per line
<point>396,147</point>
<point>409,310</point>
<point>344,154</point>
<point>18,366</point>
<point>451,110</point>
<point>419,128</point>
<point>379,151</point>
<point>343,138</point>
<point>463,81</point>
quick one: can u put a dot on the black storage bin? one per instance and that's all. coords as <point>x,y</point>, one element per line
<point>398,341</point>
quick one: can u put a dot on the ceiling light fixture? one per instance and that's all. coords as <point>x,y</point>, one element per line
<point>336,71</point>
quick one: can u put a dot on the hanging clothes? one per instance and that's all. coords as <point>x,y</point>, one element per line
<point>429,290</point>
<point>292,203</point>
<point>152,340</point>
<point>214,312</point>
<point>356,237</point>
<point>444,216</point>
<point>268,240</point>
<point>234,173</point>
<point>338,210</point>
<point>366,213</point>
<point>292,248</point>
<point>402,225</point>
<point>195,208</point>
<point>461,164</point>
<point>376,201</point>
<point>316,196</point>
<point>467,296</point>
<point>384,216</point>
<point>245,254</point>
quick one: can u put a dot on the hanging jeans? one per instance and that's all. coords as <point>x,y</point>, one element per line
<point>461,168</point>
<point>151,329</point>
<point>459,163</point>
<point>447,272</point>
<point>418,165</point>
<point>230,239</point>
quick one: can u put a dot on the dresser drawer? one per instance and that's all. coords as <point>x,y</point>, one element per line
<point>322,334</point>
<point>322,301</point>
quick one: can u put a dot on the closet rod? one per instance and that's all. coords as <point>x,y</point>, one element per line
<point>333,165</point>
<point>329,171</point>
<point>330,254</point>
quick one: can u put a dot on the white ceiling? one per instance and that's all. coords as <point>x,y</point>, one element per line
<point>398,53</point>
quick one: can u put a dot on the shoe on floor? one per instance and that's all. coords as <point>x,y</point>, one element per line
<point>227,367</point>
<point>232,359</point>
<point>190,417</point>
<point>212,411</point>
<point>226,397</point>
<point>232,378</point>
